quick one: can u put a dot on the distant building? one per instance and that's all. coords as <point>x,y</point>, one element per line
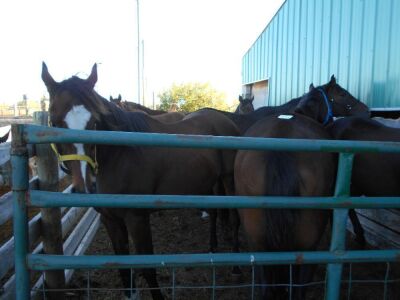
<point>308,41</point>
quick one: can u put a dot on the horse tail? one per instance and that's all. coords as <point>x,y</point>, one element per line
<point>282,179</point>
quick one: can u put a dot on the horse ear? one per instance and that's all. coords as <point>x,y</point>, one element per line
<point>240,98</point>
<point>252,98</point>
<point>92,79</point>
<point>111,98</point>
<point>47,79</point>
<point>311,87</point>
<point>333,80</point>
<point>119,98</point>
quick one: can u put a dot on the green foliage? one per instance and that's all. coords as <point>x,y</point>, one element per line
<point>188,97</point>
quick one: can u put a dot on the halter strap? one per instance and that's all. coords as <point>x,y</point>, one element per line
<point>70,157</point>
<point>80,157</point>
<point>329,113</point>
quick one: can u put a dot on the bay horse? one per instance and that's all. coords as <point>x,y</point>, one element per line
<point>160,115</point>
<point>344,104</point>
<point>317,109</point>
<point>374,174</point>
<point>245,105</point>
<point>283,173</point>
<point>74,104</point>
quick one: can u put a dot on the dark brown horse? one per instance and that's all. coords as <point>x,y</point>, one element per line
<point>318,109</point>
<point>280,173</point>
<point>344,104</point>
<point>140,170</point>
<point>160,115</point>
<point>245,105</point>
<point>374,174</point>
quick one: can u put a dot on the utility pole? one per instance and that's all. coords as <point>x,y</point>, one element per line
<point>138,51</point>
<point>143,81</point>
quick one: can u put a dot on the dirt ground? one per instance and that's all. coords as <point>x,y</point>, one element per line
<point>183,231</point>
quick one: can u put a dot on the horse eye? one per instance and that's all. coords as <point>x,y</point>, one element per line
<point>348,106</point>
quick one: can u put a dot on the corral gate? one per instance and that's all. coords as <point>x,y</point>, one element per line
<point>340,202</point>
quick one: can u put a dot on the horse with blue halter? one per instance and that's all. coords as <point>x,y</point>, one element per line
<point>280,173</point>
<point>342,102</point>
<point>74,104</point>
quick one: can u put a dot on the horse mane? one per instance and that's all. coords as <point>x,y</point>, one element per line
<point>108,114</point>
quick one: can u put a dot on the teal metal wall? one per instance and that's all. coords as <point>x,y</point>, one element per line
<point>309,40</point>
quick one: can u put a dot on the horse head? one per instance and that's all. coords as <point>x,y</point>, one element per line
<point>330,100</point>
<point>116,101</point>
<point>343,103</point>
<point>245,105</point>
<point>75,105</point>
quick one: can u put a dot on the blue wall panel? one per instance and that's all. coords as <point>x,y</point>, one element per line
<point>309,40</point>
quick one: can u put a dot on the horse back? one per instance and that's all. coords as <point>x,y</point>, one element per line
<point>286,173</point>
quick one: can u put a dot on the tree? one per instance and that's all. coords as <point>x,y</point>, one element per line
<point>192,96</point>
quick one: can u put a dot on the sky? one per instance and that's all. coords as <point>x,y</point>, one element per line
<point>183,41</point>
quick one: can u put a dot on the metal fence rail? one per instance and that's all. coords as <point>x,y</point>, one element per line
<point>341,201</point>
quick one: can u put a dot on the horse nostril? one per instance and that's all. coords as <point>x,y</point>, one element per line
<point>73,190</point>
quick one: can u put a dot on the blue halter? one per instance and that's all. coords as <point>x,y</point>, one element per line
<point>329,113</point>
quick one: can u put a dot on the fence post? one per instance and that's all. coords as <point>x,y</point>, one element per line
<point>20,184</point>
<point>47,168</point>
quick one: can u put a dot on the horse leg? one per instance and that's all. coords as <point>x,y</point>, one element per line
<point>139,229</point>
<point>119,238</point>
<point>214,213</point>
<point>213,230</point>
<point>235,223</point>
<point>234,219</point>
<point>357,227</point>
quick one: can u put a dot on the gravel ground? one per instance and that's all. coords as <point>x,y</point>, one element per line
<point>183,231</point>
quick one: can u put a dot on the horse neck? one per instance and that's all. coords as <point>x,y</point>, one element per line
<point>289,106</point>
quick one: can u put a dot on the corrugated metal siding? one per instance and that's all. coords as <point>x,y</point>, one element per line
<point>309,40</point>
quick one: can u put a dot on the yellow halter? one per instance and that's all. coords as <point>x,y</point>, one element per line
<point>70,157</point>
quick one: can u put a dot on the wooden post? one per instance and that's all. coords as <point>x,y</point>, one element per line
<point>47,167</point>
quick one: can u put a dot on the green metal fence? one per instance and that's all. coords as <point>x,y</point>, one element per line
<point>340,202</point>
